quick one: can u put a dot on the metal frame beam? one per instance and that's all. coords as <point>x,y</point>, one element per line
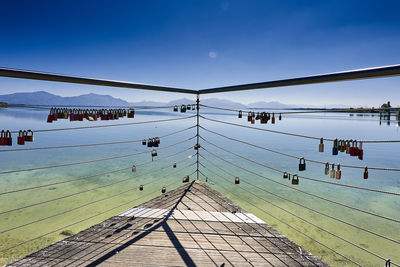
<point>377,72</point>
<point>44,76</point>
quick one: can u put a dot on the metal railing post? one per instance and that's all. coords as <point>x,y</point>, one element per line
<point>197,135</point>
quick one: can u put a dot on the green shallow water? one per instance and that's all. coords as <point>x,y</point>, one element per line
<point>341,126</point>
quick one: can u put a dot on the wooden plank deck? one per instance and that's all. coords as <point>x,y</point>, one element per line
<point>192,225</point>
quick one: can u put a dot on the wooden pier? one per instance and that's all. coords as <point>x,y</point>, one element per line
<point>192,225</point>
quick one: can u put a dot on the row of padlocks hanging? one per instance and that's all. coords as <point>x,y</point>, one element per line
<point>263,117</point>
<point>294,178</point>
<point>183,108</point>
<point>23,136</point>
<point>89,114</point>
<point>351,147</point>
<point>151,142</point>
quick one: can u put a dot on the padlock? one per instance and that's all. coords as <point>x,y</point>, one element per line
<point>295,179</point>
<point>154,153</point>
<point>163,190</point>
<point>326,168</point>
<point>144,142</point>
<point>249,116</point>
<point>21,138</point>
<point>273,118</point>
<point>263,118</point>
<point>131,113</point>
<point>321,145</point>
<point>175,108</point>
<point>55,116</point>
<point>196,146</point>
<point>155,142</point>
<point>50,117</point>
<point>285,175</point>
<point>338,172</point>
<point>360,151</point>
<point>333,173</point>
<point>193,106</point>
<point>366,173</point>
<point>133,168</point>
<point>335,147</point>
<point>125,113</point>
<point>141,187</point>
<point>352,148</point>
<point>302,164</point>
<point>77,115</point>
<point>342,146</point>
<point>158,141</point>
<point>81,115</point>
<point>356,150</point>
<point>3,138</point>
<point>240,115</point>
<point>150,142</point>
<point>71,116</point>
<point>185,179</point>
<point>183,108</point>
<point>237,180</point>
<point>280,116</point>
<point>188,107</point>
<point>174,165</point>
<point>257,116</point>
<point>348,146</point>
<point>9,138</point>
<point>387,263</point>
<point>253,120</point>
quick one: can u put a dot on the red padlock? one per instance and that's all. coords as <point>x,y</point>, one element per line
<point>9,138</point>
<point>360,152</point>
<point>81,115</point>
<point>76,116</point>
<point>249,116</point>
<point>21,138</point>
<point>55,115</point>
<point>186,179</point>
<point>50,117</point>
<point>352,148</point>
<point>133,168</point>
<point>3,138</point>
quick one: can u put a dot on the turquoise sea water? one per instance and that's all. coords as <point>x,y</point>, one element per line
<point>340,126</point>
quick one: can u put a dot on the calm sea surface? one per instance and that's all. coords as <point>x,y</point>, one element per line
<point>342,126</point>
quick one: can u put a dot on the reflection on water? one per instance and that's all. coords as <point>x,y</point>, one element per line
<point>327,125</point>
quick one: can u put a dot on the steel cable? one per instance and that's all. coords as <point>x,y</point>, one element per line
<point>92,202</point>
<point>293,134</point>
<point>303,206</point>
<point>307,193</point>
<point>94,175</point>
<point>77,193</point>
<point>85,107</point>
<point>305,220</point>
<point>294,156</point>
<point>287,224</point>
<point>304,177</point>
<point>107,125</point>
<point>74,223</point>
<point>95,160</point>
<point>95,144</point>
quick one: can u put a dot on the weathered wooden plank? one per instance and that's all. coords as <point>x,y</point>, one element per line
<point>204,229</point>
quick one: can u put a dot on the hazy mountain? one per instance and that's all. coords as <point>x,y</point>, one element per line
<point>44,98</point>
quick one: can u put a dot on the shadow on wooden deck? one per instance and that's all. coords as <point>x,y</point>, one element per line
<point>192,225</point>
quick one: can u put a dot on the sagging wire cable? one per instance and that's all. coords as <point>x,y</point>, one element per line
<point>304,177</point>
<point>303,206</point>
<point>78,193</point>
<point>294,156</point>
<point>92,202</point>
<point>108,125</point>
<point>293,134</point>
<point>88,106</point>
<point>305,220</point>
<point>97,174</point>
<point>354,110</point>
<point>305,192</point>
<point>94,144</point>
<point>95,160</point>
<point>287,224</point>
<point>82,220</point>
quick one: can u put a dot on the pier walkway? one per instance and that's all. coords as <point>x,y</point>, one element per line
<point>192,225</point>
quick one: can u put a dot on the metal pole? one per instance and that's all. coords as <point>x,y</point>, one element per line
<point>197,135</point>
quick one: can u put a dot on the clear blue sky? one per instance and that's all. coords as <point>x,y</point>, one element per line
<point>201,44</point>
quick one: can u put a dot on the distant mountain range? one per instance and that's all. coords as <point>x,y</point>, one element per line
<point>45,98</point>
